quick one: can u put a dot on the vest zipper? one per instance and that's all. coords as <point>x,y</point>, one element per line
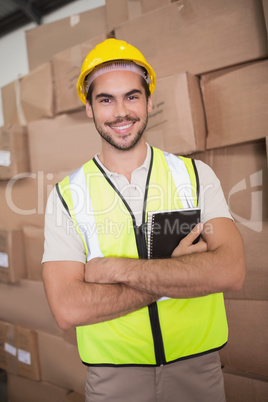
<point>140,241</point>
<point>153,310</point>
<point>157,335</point>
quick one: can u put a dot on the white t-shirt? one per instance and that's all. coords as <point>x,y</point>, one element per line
<point>62,242</point>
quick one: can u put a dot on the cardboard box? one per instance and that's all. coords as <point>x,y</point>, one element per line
<point>60,363</point>
<point>29,98</point>
<point>62,144</point>
<point>66,68</point>
<point>256,251</point>
<point>33,238</point>
<point>26,305</point>
<point>25,390</point>
<point>67,31</point>
<point>177,122</point>
<point>8,349</point>
<point>243,388</point>
<point>120,11</point>
<point>151,5</point>
<point>12,258</point>
<point>198,36</point>
<point>69,335</point>
<point>27,353</point>
<point>265,9</point>
<point>248,337</point>
<point>242,170</point>
<point>235,103</point>
<point>14,156</point>
<point>23,198</point>
<point>18,351</point>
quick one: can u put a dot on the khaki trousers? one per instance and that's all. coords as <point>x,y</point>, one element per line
<point>198,379</point>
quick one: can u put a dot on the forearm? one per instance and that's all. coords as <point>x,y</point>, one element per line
<point>191,272</point>
<point>101,302</point>
<point>181,277</point>
<point>74,302</point>
<point>187,276</point>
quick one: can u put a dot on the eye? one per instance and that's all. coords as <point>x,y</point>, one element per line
<point>132,97</point>
<point>105,100</point>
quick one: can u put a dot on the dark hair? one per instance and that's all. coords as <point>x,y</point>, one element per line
<point>143,83</point>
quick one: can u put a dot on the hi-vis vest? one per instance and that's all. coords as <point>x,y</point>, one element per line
<point>165,331</point>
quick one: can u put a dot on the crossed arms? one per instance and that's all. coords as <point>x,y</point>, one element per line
<point>107,288</point>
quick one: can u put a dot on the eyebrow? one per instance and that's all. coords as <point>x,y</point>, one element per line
<point>104,95</point>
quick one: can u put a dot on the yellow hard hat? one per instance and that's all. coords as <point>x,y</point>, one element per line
<point>109,50</point>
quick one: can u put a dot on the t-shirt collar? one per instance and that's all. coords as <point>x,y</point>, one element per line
<point>145,165</point>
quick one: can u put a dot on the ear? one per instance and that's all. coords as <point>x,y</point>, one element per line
<point>89,110</point>
<point>150,104</point>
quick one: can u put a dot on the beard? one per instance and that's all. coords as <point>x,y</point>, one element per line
<point>110,140</point>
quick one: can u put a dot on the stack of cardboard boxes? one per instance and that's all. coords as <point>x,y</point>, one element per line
<point>210,102</point>
<point>41,360</point>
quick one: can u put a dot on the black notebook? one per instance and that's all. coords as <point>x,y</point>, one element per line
<point>165,229</point>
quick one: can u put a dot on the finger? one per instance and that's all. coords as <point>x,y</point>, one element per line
<point>199,247</point>
<point>195,232</point>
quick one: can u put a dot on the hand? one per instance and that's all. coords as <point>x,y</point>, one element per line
<point>186,245</point>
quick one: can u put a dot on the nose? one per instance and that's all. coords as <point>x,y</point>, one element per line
<point>120,109</point>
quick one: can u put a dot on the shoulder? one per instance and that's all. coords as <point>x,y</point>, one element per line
<point>205,172</point>
<point>211,200</point>
<point>54,204</point>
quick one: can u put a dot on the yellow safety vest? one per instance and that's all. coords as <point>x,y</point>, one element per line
<point>165,331</point>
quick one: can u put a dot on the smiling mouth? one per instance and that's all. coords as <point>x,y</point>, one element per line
<point>122,128</point>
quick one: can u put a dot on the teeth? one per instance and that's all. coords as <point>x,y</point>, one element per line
<point>123,127</point>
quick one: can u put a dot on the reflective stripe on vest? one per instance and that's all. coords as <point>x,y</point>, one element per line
<point>165,331</point>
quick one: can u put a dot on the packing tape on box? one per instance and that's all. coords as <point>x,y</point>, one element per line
<point>21,115</point>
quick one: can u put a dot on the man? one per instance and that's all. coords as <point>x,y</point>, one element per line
<point>148,329</point>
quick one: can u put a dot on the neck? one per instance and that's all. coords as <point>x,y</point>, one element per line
<point>123,162</point>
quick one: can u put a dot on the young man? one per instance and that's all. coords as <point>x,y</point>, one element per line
<point>148,329</point>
